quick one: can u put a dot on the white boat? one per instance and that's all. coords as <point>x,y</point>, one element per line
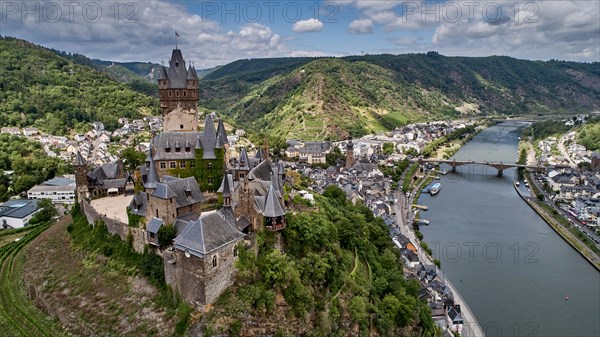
<point>518,183</point>
<point>435,188</point>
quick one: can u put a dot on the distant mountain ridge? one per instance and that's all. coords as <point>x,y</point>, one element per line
<point>335,97</point>
<point>302,97</point>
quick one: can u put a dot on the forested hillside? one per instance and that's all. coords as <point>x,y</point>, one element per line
<point>339,275</point>
<point>40,88</point>
<point>334,97</point>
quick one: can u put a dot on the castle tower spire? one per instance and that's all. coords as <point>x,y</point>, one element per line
<point>178,91</point>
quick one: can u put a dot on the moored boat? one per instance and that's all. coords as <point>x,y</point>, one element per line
<point>435,188</point>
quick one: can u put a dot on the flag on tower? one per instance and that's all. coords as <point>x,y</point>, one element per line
<point>176,34</point>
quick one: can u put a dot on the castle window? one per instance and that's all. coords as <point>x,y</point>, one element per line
<point>151,235</point>
<point>235,251</point>
<point>209,166</point>
<point>177,93</point>
<point>168,149</point>
<point>209,181</point>
<point>182,164</point>
<point>163,165</point>
<point>170,93</point>
<point>177,149</point>
<point>214,261</point>
<point>242,175</point>
<point>173,164</point>
<point>192,164</point>
<point>185,93</point>
<point>157,212</point>
<point>187,148</point>
<point>181,126</point>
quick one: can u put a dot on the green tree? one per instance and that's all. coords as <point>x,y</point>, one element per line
<point>388,148</point>
<point>47,212</point>
<point>166,234</point>
<point>132,158</point>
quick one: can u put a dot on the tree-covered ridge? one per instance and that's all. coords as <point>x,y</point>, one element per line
<point>589,134</point>
<point>40,88</point>
<point>338,275</point>
<point>332,97</point>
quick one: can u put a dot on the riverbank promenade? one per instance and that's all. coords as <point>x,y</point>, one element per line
<point>404,218</point>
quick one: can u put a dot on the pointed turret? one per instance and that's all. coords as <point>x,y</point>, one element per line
<point>198,143</point>
<point>226,191</point>
<point>259,155</point>
<point>191,74</point>
<point>163,74</point>
<point>243,165</point>
<point>273,211</point>
<point>152,180</point>
<point>221,132</point>
<point>209,138</point>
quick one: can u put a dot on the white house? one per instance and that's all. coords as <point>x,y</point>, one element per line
<point>17,213</point>
<point>61,190</point>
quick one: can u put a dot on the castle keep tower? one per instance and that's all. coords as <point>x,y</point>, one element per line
<point>178,90</point>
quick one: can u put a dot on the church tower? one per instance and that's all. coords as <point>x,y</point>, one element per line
<point>349,154</point>
<point>178,91</point>
<point>81,177</point>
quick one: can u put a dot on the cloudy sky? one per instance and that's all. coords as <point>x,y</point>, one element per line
<point>217,32</point>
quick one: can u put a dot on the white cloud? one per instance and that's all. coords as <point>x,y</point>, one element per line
<point>364,26</point>
<point>149,35</point>
<point>307,26</point>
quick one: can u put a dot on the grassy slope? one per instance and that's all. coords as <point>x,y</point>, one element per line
<point>89,280</point>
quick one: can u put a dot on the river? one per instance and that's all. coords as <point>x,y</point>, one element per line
<point>511,268</point>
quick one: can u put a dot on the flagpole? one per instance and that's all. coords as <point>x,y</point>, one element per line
<point>176,36</point>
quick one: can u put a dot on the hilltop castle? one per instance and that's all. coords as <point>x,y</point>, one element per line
<point>182,166</point>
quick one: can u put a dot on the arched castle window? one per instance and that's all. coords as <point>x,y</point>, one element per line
<point>214,261</point>
<point>209,166</point>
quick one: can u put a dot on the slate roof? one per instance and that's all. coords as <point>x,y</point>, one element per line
<point>191,74</point>
<point>231,183</point>
<point>154,225</point>
<point>273,207</point>
<point>209,138</point>
<point>221,133</point>
<point>79,161</point>
<point>226,187</point>
<point>243,163</point>
<point>163,73</point>
<point>262,171</point>
<point>139,204</point>
<point>152,176</point>
<point>59,181</point>
<point>205,235</point>
<point>177,73</point>
<point>169,139</point>
<point>177,188</point>
<point>104,172</point>
<point>19,208</point>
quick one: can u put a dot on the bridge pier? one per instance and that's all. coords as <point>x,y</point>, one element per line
<point>453,169</point>
<point>499,173</point>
